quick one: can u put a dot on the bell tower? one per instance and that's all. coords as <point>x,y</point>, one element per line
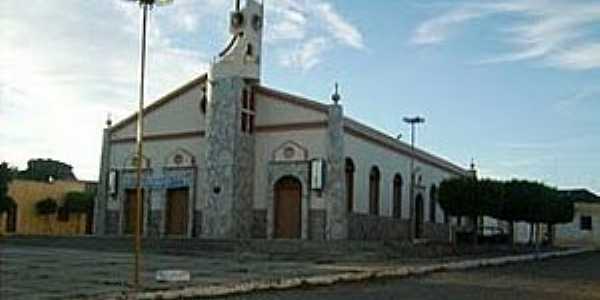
<point>242,55</point>
<point>228,187</point>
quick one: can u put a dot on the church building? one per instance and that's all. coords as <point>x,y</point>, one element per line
<point>227,157</point>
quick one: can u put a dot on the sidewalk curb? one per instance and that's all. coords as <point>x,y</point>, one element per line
<point>348,276</point>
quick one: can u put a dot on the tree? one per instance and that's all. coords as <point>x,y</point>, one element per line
<point>560,209</point>
<point>6,175</point>
<point>511,201</point>
<point>44,169</point>
<point>79,203</point>
<point>460,196</point>
<point>491,192</point>
<point>47,207</point>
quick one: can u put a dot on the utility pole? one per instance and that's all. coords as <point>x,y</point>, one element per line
<point>413,122</point>
<point>145,5</point>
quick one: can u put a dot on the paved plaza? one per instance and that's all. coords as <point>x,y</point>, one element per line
<point>54,273</point>
<point>96,268</point>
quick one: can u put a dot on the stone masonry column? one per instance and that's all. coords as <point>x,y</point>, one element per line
<point>229,171</point>
<point>100,204</point>
<point>335,185</point>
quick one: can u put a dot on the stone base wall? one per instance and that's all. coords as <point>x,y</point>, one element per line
<point>112,222</point>
<point>317,223</point>
<point>197,224</point>
<point>154,221</point>
<point>259,224</point>
<point>367,227</point>
<point>436,232</point>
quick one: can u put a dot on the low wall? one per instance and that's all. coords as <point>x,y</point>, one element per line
<point>438,232</point>
<point>367,227</point>
<point>259,224</point>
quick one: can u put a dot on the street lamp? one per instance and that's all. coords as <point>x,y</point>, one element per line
<point>413,122</point>
<point>146,5</point>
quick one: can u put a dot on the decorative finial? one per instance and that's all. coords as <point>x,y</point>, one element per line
<point>336,95</point>
<point>108,120</point>
<point>472,164</point>
<point>237,5</point>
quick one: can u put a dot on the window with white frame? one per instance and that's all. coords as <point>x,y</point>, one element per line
<point>248,111</point>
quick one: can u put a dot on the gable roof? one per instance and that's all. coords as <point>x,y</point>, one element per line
<point>352,126</point>
<point>364,131</point>
<point>579,195</point>
<point>292,99</point>
<point>387,141</point>
<point>162,101</point>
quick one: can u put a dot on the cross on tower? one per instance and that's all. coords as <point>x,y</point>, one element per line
<point>336,95</point>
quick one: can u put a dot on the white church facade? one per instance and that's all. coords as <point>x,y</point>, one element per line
<point>227,157</point>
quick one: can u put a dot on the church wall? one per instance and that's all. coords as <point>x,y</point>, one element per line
<point>366,154</point>
<point>158,154</point>
<point>274,111</point>
<point>267,143</point>
<point>182,114</point>
<point>313,207</point>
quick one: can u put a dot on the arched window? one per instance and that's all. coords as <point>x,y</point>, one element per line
<point>419,216</point>
<point>432,203</point>
<point>349,184</point>
<point>374,178</point>
<point>397,194</point>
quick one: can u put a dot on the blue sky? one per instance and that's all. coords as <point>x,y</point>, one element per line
<point>510,83</point>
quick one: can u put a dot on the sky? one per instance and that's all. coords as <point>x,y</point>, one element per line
<point>511,84</point>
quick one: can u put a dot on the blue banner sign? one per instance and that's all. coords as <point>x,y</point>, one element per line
<point>158,183</point>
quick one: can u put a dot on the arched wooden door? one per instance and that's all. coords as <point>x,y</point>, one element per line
<point>288,208</point>
<point>419,216</point>
<point>177,211</point>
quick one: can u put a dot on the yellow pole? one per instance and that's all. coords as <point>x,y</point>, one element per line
<point>139,143</point>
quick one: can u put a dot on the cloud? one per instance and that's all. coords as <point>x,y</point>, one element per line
<point>580,103</point>
<point>306,56</point>
<point>297,25</point>
<point>555,33</point>
<point>79,62</point>
<point>437,30</point>
<point>582,57</point>
<point>340,28</point>
<point>58,85</point>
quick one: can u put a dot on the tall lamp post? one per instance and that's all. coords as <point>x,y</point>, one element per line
<point>145,5</point>
<point>413,122</point>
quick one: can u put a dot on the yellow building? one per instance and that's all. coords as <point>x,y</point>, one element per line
<point>25,220</point>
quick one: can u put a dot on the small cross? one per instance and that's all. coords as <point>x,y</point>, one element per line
<point>108,120</point>
<point>336,96</point>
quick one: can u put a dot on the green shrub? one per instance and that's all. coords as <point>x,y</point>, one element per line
<point>78,202</point>
<point>46,207</point>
